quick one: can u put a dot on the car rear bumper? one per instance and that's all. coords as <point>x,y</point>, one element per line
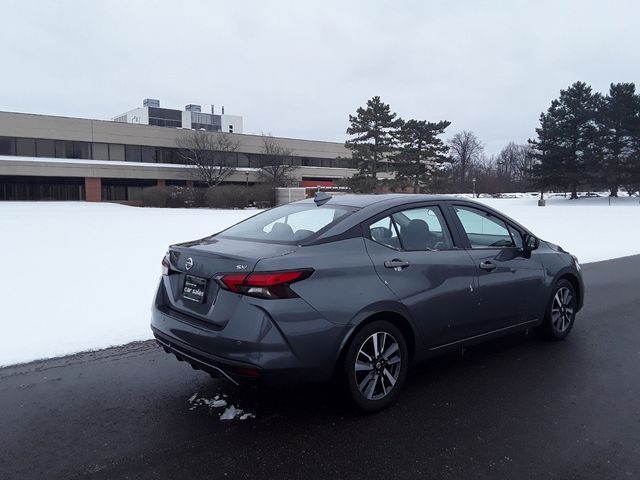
<point>253,347</point>
<point>216,366</point>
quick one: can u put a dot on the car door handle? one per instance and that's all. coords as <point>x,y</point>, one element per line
<point>396,264</point>
<point>486,265</point>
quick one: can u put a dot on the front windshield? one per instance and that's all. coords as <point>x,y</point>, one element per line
<point>288,223</point>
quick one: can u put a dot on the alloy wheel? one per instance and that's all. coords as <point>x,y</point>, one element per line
<point>378,365</point>
<point>562,310</point>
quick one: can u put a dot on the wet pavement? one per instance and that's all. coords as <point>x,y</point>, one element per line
<point>513,408</point>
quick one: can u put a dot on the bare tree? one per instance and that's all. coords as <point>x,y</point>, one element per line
<point>212,155</point>
<point>515,163</point>
<point>276,166</point>
<point>484,170</point>
<point>466,149</point>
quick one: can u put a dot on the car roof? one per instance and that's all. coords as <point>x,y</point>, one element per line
<point>369,205</point>
<point>389,199</point>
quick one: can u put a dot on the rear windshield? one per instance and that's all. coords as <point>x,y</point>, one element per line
<point>288,223</point>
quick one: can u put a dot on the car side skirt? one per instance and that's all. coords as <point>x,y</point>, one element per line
<point>485,336</point>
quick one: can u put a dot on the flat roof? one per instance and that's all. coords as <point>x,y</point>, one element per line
<point>30,125</point>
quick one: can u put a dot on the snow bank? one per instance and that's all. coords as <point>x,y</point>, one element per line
<point>79,276</point>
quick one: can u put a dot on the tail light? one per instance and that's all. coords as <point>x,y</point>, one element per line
<point>269,285</point>
<point>166,266</point>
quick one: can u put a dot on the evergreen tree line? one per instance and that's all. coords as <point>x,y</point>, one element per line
<point>382,142</point>
<point>585,140</point>
<point>411,155</point>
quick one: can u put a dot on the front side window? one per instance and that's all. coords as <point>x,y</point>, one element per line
<point>287,224</point>
<point>384,231</point>
<point>516,236</point>
<point>483,229</point>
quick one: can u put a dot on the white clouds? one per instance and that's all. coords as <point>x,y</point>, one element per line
<point>299,68</point>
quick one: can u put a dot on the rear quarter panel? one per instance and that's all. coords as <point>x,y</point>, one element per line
<point>343,291</point>
<point>344,283</point>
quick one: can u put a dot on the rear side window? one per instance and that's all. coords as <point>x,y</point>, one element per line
<point>415,229</point>
<point>484,230</point>
<point>288,223</point>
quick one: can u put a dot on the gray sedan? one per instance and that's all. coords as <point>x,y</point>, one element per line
<point>358,288</point>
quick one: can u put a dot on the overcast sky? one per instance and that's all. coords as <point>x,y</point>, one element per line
<point>299,68</point>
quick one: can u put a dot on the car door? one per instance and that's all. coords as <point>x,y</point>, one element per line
<point>510,280</point>
<point>415,256</point>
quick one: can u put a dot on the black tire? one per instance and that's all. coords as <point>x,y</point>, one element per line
<point>390,365</point>
<point>560,314</point>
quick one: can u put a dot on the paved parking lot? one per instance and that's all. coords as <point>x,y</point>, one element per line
<point>514,408</point>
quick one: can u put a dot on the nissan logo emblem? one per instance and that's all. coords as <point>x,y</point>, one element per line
<point>189,263</point>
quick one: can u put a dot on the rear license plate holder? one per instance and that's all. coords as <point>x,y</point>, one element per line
<point>194,288</point>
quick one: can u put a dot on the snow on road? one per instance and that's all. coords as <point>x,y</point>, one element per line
<point>79,276</point>
<point>216,404</point>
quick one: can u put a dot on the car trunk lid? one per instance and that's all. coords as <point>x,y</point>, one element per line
<point>191,288</point>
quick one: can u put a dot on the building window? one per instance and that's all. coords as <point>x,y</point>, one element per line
<point>230,159</point>
<point>7,146</point>
<point>122,189</point>
<point>168,155</point>
<point>45,148</point>
<point>165,117</point>
<point>100,151</point>
<point>26,147</point>
<point>243,160</point>
<point>148,154</point>
<point>163,155</point>
<point>132,153</point>
<point>68,149</point>
<point>254,161</point>
<point>345,163</point>
<point>116,152</point>
<point>134,193</point>
<point>41,188</point>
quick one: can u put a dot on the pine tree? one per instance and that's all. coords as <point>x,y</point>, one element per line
<point>421,152</point>
<point>374,131</point>
<point>567,145</point>
<point>620,128</point>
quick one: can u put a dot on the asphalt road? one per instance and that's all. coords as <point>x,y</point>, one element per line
<point>516,408</point>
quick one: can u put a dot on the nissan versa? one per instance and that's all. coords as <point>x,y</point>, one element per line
<point>358,288</point>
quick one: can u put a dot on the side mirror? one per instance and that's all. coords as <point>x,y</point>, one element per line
<point>530,242</point>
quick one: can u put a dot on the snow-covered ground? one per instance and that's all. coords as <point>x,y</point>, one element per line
<point>79,276</point>
<point>587,227</point>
